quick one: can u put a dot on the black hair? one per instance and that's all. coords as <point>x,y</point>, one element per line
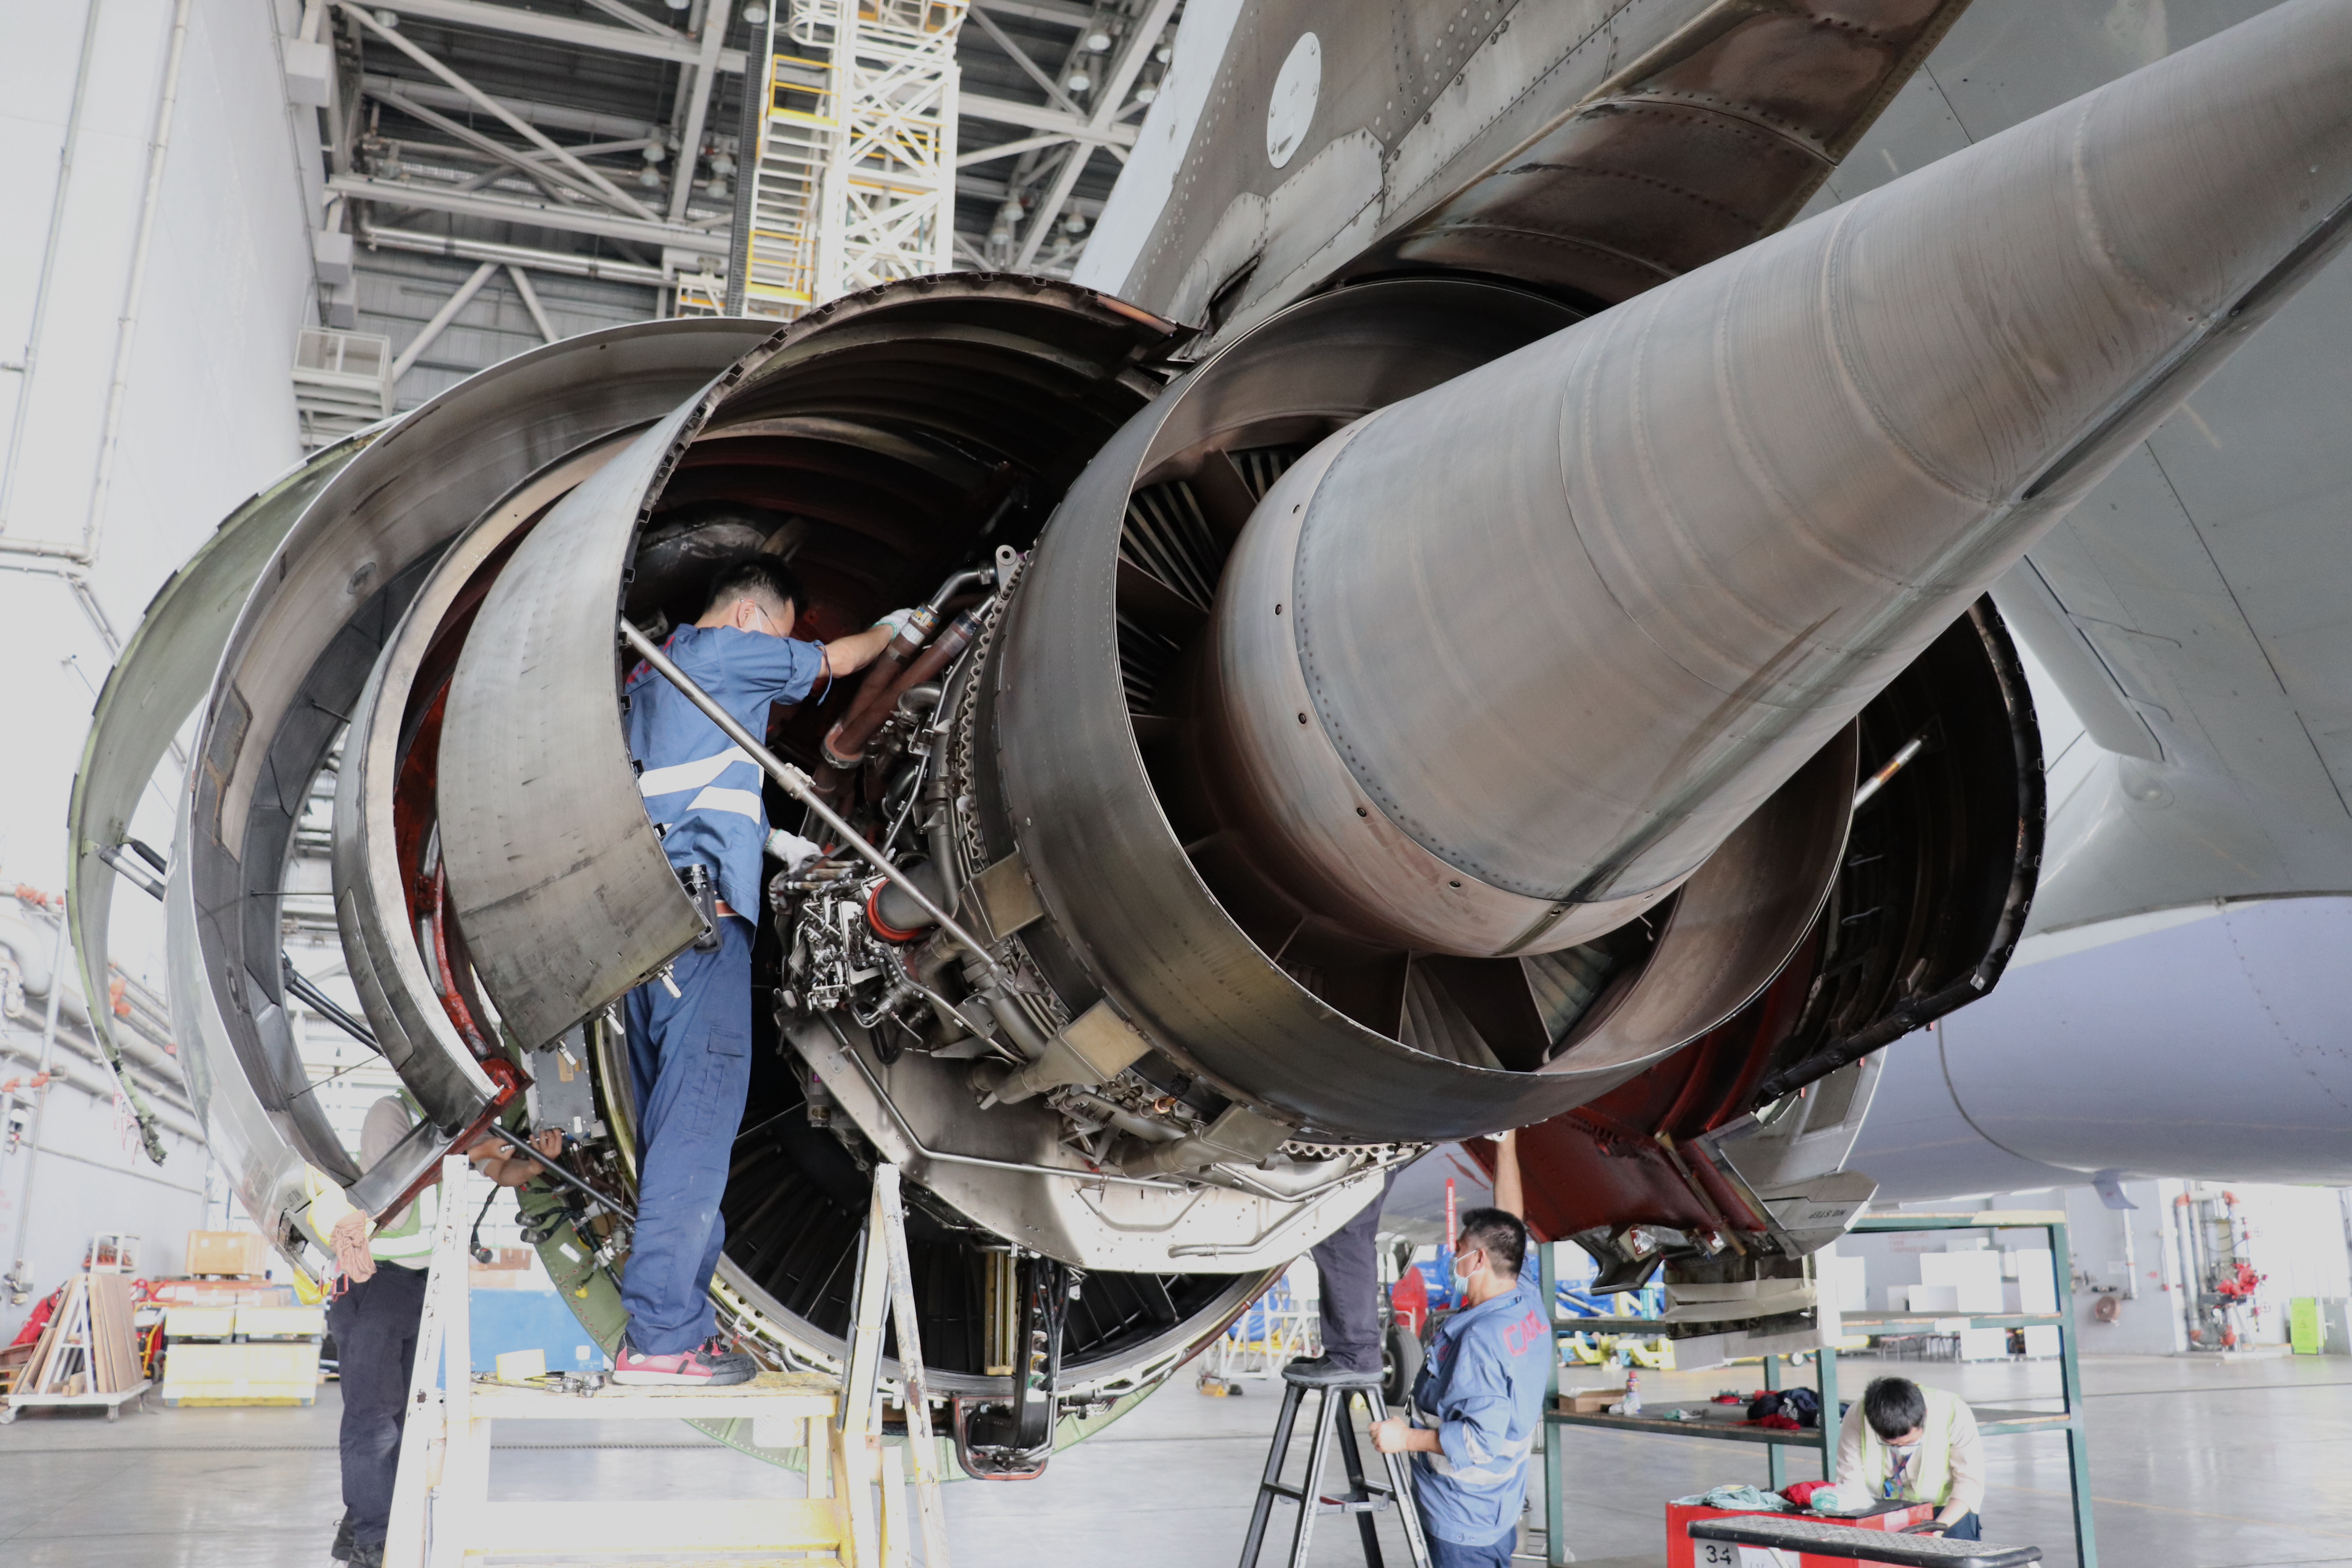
<point>1893,1406</point>
<point>755,573</point>
<point>1502,1234</point>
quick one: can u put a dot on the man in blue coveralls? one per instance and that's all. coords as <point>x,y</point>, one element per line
<point>1478,1403</point>
<point>689,1051</point>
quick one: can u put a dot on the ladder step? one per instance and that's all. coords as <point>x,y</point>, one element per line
<point>781,1524</point>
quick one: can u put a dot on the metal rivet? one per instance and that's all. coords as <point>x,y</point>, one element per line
<point>1278,609</point>
<point>1363,811</point>
<point>1302,718</point>
<point>1453,884</point>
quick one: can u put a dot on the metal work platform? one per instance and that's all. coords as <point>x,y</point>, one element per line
<point>442,1515</point>
<point>1990,1421</point>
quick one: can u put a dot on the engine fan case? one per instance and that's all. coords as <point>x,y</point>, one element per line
<point>1078,800</point>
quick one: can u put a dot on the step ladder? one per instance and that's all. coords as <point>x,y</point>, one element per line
<point>1365,1497</point>
<point>442,1515</point>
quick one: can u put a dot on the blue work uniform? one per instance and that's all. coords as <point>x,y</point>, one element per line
<point>1482,1389</point>
<point>690,1054</point>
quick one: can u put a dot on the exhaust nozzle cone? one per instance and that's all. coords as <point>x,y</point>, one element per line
<point>1562,625</point>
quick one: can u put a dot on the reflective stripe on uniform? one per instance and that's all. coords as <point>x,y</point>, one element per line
<point>687,775</point>
<point>741,802</point>
<point>1491,1472</point>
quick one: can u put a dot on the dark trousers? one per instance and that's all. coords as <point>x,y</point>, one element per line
<point>375,1322</point>
<point>1348,1263</point>
<point>690,1063</point>
<point>1967,1527</point>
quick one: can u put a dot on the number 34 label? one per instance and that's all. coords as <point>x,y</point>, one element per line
<point>1722,1554</point>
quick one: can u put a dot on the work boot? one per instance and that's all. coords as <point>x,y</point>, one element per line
<point>710,1364</point>
<point>369,1557</point>
<point>1321,1371</point>
<point>342,1549</point>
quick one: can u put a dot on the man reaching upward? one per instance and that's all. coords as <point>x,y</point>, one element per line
<point>689,1051</point>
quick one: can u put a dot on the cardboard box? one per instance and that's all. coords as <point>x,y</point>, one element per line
<point>200,1323</point>
<point>267,1374</point>
<point>1586,1401</point>
<point>238,1252</point>
<point>222,1293</point>
<point>280,1323</point>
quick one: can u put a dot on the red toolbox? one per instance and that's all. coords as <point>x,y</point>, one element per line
<point>1682,1552</point>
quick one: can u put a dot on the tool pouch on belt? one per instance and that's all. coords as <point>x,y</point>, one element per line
<point>703,888</point>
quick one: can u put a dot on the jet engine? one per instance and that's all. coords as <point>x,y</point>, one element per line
<point>1443,706</point>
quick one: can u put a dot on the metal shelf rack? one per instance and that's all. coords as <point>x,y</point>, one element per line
<point>1991,1422</point>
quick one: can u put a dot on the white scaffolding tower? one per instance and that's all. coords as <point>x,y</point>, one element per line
<point>854,179</point>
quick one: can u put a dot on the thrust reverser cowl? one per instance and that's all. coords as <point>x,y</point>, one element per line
<point>1566,622</point>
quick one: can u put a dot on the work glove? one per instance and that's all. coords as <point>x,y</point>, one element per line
<point>793,850</point>
<point>897,621</point>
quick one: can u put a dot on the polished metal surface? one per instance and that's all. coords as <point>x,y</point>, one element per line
<point>1589,148</point>
<point>374,884</point>
<point>298,658</point>
<point>1727,513</point>
<point>557,875</point>
<point>2204,1042</point>
<point>1687,151</point>
<point>160,677</point>
<point>1079,802</point>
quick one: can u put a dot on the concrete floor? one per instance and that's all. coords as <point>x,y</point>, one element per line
<point>2196,1464</point>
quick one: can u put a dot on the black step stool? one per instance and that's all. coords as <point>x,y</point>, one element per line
<point>1364,1499</point>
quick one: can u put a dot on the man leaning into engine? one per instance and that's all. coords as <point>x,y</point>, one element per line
<point>690,1032</point>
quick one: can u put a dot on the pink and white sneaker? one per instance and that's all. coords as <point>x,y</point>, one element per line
<point>710,1364</point>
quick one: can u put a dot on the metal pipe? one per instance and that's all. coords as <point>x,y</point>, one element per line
<point>843,745</point>
<point>522,1146</point>
<point>2131,1256</point>
<point>1894,764</point>
<point>41,1107</point>
<point>102,1083</point>
<point>1464,707</point>
<point>127,329</point>
<point>798,785</point>
<point>31,361</point>
<point>324,1005</point>
<point>571,265</point>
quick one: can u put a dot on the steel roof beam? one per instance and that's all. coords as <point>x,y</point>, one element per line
<point>552,116</point>
<point>1058,15</point>
<point>560,30</point>
<point>690,142</point>
<point>1141,42</point>
<point>1043,117</point>
<point>571,220</point>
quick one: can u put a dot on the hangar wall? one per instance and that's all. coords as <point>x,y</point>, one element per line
<point>203,410</point>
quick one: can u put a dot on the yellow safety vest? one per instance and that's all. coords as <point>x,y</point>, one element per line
<point>1928,1477</point>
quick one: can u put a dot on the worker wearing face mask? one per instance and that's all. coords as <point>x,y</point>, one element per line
<point>1919,1445</point>
<point>1478,1403</point>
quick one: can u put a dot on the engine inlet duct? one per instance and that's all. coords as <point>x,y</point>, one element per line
<point>1435,712</point>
